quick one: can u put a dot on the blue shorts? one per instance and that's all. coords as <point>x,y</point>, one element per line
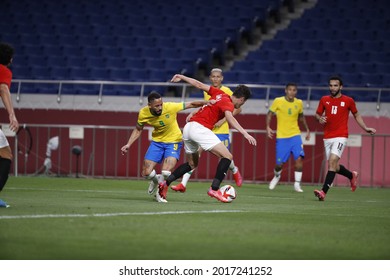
<point>225,139</point>
<point>287,146</point>
<point>158,151</point>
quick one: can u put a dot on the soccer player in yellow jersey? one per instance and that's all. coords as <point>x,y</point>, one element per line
<point>288,110</point>
<point>221,129</point>
<point>166,137</point>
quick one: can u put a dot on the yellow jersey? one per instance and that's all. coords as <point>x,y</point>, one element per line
<point>287,114</point>
<point>166,129</point>
<point>224,128</point>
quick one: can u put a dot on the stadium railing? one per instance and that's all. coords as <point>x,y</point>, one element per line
<point>141,89</point>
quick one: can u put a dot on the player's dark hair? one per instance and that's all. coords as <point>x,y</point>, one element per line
<point>291,85</point>
<point>337,78</point>
<point>6,53</point>
<point>153,96</point>
<point>242,91</point>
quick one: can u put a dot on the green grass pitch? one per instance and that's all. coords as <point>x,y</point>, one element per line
<point>104,219</point>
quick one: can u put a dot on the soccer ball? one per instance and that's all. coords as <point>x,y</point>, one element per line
<point>229,192</point>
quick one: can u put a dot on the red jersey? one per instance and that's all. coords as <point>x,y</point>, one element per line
<point>337,113</point>
<point>210,114</point>
<point>5,75</point>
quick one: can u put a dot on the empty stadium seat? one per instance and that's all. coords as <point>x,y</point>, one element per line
<point>129,36</point>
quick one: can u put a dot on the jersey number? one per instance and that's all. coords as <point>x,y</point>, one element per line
<point>334,110</point>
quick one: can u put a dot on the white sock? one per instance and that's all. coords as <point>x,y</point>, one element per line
<point>165,173</point>
<point>186,177</point>
<point>152,176</point>
<point>232,167</point>
<point>298,176</point>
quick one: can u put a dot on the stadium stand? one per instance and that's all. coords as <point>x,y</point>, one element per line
<point>347,38</point>
<point>53,32</point>
<point>134,40</point>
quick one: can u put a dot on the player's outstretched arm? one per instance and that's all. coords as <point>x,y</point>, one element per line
<point>235,124</point>
<point>197,103</point>
<point>178,77</point>
<point>134,136</point>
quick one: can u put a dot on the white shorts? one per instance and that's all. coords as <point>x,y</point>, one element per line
<point>335,146</point>
<point>3,140</point>
<point>196,135</point>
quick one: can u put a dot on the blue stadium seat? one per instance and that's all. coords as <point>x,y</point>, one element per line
<point>269,77</point>
<point>91,51</point>
<point>158,75</point>
<point>276,55</point>
<point>135,63</point>
<point>99,73</point>
<point>21,71</point>
<point>115,62</point>
<point>371,80</point>
<point>248,77</point>
<point>311,79</point>
<point>109,51</point>
<point>165,42</point>
<point>351,79</point>
<point>259,65</point>
<point>344,67</point>
<point>362,67</point>
<point>304,66</point>
<point>289,77</point>
<point>382,67</point>
<point>312,45</point>
<point>139,75</point>
<point>79,73</point>
<point>244,65</point>
<point>145,41</point>
<point>40,72</point>
<point>60,73</point>
<point>299,55</point>
<point>52,50</point>
<point>154,63</point>
<point>119,74</point>
<point>230,77</point>
<point>56,61</point>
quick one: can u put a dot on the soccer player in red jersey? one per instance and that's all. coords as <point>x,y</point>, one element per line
<point>333,112</point>
<point>6,55</point>
<point>198,133</point>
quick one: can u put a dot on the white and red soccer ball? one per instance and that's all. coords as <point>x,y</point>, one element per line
<point>229,192</point>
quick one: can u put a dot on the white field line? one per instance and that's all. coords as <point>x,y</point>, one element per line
<point>44,216</point>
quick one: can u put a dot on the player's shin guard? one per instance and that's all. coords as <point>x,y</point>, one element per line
<point>180,171</point>
<point>152,176</point>
<point>5,166</point>
<point>222,168</point>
